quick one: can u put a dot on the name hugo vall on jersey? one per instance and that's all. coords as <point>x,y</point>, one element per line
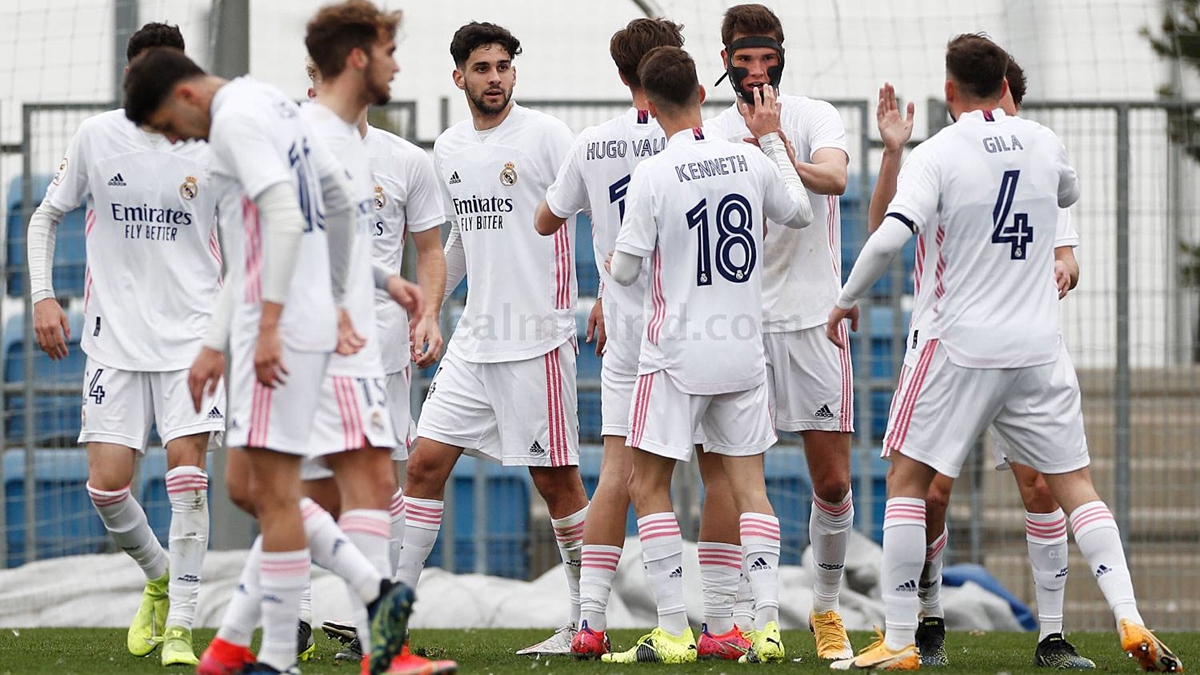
<point>618,148</point>
<point>143,222</point>
<point>719,166</point>
<point>482,213</point>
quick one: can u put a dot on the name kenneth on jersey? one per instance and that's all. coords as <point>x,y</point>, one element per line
<point>140,221</point>
<point>721,166</point>
<point>482,213</point>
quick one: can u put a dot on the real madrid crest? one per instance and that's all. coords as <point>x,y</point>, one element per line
<point>508,176</point>
<point>380,198</point>
<point>62,172</point>
<point>189,189</point>
<point>377,422</point>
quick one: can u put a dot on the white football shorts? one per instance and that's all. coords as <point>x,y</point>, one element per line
<point>399,392</point>
<point>810,381</point>
<point>278,418</point>
<point>518,413</point>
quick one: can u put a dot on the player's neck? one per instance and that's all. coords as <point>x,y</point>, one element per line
<point>639,99</point>
<point>484,121</point>
<point>686,119</point>
<point>346,99</point>
<point>961,108</point>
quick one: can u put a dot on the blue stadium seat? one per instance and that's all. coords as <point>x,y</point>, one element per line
<point>56,417</point>
<point>507,526</point>
<point>70,258</point>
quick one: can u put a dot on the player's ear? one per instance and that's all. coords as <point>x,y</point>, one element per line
<point>703,94</point>
<point>457,76</point>
<point>623,80</point>
<point>951,92</point>
<point>312,93</point>
<point>725,59</point>
<point>652,108</point>
<point>1004,87</point>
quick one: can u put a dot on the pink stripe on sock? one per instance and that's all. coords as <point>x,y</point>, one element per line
<point>833,509</point>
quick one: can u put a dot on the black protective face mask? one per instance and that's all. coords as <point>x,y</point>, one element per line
<point>736,75</point>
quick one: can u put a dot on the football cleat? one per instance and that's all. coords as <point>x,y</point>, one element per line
<point>224,658</point>
<point>264,669</point>
<point>407,663</point>
<point>931,641</point>
<point>589,644</point>
<point>389,624</point>
<point>150,622</point>
<point>767,646</point>
<point>346,634</point>
<point>830,634</point>
<point>878,657</point>
<point>306,647</point>
<point>1150,652</point>
<point>1055,652</point>
<point>728,646</point>
<point>559,643</point>
<point>351,652</point>
<point>658,646</point>
<point>177,647</point>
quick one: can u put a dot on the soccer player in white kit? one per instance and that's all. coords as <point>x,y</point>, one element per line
<point>153,273</point>
<point>811,384</point>
<point>695,212</point>
<point>297,211</point>
<point>595,178</point>
<point>505,389</point>
<point>1045,523</point>
<point>992,353</point>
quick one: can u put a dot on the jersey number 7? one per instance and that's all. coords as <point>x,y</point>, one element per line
<point>734,220</point>
<point>1019,233</point>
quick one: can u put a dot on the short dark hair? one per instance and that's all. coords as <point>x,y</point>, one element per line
<point>475,35</point>
<point>1017,84</point>
<point>151,79</point>
<point>153,35</point>
<point>630,45</point>
<point>339,29</point>
<point>668,76</point>
<point>750,20</point>
<point>977,64</point>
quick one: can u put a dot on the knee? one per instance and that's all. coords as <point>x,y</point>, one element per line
<point>557,484</point>
<point>831,487</point>
<point>937,499</point>
<point>1036,495</point>
<point>422,471</point>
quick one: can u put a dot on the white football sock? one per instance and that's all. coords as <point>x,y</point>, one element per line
<point>397,513</point>
<point>422,521</point>
<point>1046,537</point>
<point>368,530</point>
<point>334,551</point>
<point>245,603</point>
<point>720,573</point>
<point>187,490</point>
<point>1099,540</point>
<point>306,604</point>
<point>124,518</point>
<point>743,607</point>
<point>903,559</point>
<point>662,553</point>
<point>568,532</point>
<point>760,547</point>
<point>284,574</point>
<point>598,568</point>
<point>829,528</point>
<point>931,577</point>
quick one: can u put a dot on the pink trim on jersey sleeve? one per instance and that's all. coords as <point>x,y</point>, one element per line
<point>940,289</point>
<point>562,260</point>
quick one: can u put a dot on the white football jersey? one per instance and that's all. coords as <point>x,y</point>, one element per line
<point>696,211</point>
<point>153,257</point>
<point>344,141</point>
<point>803,267</point>
<point>978,193</point>
<point>595,178</point>
<point>258,139</point>
<point>521,302</point>
<point>406,199</point>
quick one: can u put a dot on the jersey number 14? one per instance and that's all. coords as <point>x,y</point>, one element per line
<point>1018,234</point>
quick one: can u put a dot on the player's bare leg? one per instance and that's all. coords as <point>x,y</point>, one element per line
<point>829,526</point>
<point>1099,540</point>
<point>931,631</point>
<point>239,480</point>
<point>1046,537</point>
<point>567,501</point>
<point>187,490</point>
<point>759,531</point>
<point>110,472</point>
<point>603,538</point>
<point>723,634</point>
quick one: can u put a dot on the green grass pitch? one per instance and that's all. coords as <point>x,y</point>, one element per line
<point>101,651</point>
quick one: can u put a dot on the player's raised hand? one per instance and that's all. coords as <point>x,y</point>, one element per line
<point>763,118</point>
<point>205,375</point>
<point>51,328</point>
<point>349,341</point>
<point>595,327</point>
<point>894,130</point>
<point>833,327</point>
<point>406,294</point>
<point>268,357</point>
<point>426,338</point>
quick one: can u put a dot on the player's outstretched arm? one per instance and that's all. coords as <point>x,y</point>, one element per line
<point>872,262</point>
<point>50,325</point>
<point>895,131</point>
<point>279,210</point>
<point>431,275</point>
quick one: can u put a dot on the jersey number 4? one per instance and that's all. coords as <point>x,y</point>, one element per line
<point>1019,233</point>
<point>734,220</point>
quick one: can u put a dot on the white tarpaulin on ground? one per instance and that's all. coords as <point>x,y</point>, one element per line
<point>104,590</point>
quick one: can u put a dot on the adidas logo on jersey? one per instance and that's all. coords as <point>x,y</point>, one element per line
<point>116,181</point>
<point>678,573</point>
<point>537,449</point>
<point>909,586</point>
<point>454,179</point>
<point>759,565</point>
<point>823,413</point>
<point>215,414</point>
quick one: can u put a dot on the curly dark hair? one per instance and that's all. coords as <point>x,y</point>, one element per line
<point>475,35</point>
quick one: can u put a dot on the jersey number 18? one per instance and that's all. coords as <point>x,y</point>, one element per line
<point>734,219</point>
